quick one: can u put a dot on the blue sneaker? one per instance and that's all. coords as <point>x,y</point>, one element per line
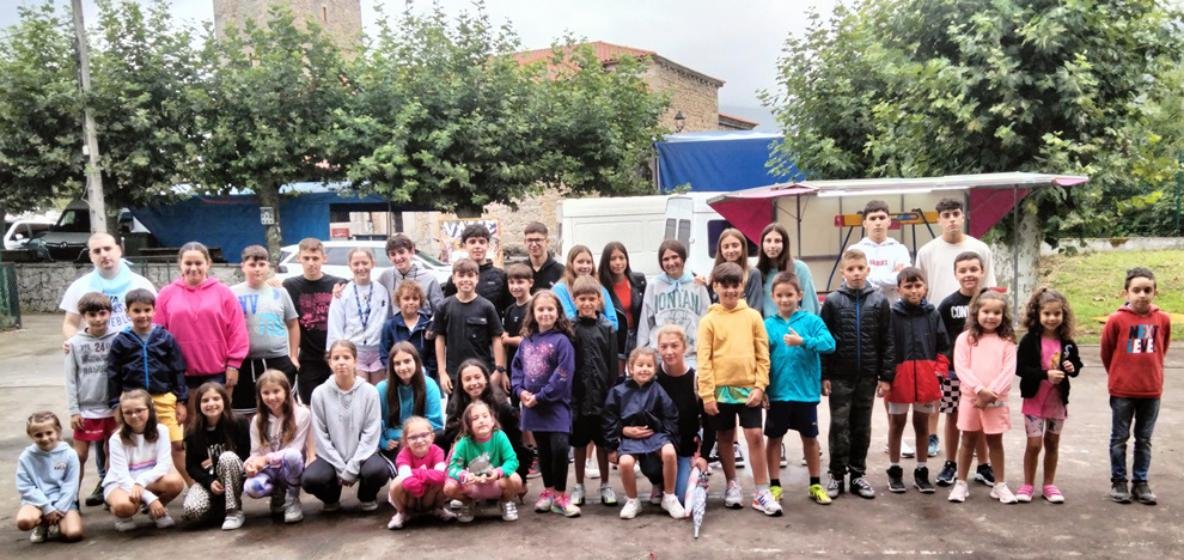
<point>934,444</point>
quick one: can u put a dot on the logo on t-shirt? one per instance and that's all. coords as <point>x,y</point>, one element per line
<point>1141,339</point>
<point>959,311</point>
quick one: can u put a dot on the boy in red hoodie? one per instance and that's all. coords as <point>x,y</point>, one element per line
<point>1134,343</point>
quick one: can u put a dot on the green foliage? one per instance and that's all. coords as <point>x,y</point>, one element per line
<point>929,87</point>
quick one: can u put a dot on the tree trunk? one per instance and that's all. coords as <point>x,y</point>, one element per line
<point>1027,245</point>
<point>269,196</point>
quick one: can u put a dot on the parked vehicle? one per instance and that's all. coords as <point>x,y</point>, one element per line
<point>17,233</point>
<point>336,253</point>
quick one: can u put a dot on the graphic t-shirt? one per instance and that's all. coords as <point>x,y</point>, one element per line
<point>267,311</point>
<point>312,299</point>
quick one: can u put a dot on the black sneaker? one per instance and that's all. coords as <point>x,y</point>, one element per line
<point>861,487</point>
<point>948,473</point>
<point>895,480</point>
<point>1142,493</point>
<point>96,497</point>
<point>985,475</point>
<point>834,486</point>
<point>1119,492</point>
<point>921,480</point>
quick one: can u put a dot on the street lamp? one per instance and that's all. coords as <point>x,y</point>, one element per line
<point>680,121</point>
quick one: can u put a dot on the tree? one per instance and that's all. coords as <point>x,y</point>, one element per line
<point>931,87</point>
<point>266,113</point>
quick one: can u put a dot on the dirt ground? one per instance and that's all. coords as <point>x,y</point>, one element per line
<point>1088,525</point>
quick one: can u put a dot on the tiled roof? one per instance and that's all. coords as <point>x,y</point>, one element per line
<point>608,53</point>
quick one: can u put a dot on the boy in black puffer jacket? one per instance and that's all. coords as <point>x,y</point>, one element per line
<point>858,317</point>
<point>596,373</point>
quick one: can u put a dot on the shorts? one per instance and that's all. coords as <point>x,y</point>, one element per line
<point>1036,426</point>
<point>650,464</point>
<point>991,420</point>
<point>918,408</point>
<point>368,359</point>
<point>588,429</point>
<point>787,415</point>
<point>750,417</point>
<point>166,413</point>
<point>951,394</point>
<point>489,491</point>
<point>96,429</point>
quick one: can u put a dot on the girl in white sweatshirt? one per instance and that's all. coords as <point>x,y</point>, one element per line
<point>359,314</point>
<point>140,470</point>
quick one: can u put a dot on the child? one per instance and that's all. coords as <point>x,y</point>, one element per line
<point>732,247</point>
<point>678,380</point>
<point>346,425</point>
<point>404,393</point>
<point>312,292</point>
<point>1046,355</point>
<point>641,426</point>
<point>796,339</point>
<point>1134,343</point>
<point>858,317</point>
<point>595,374</point>
<point>886,256</point>
<point>475,385</point>
<point>419,482</point>
<point>141,472</point>
<point>491,280</point>
<point>774,259</point>
<point>984,358</point>
<point>579,265</point>
<point>91,417</point>
<point>218,441</point>
<point>147,357</point>
<point>411,323</point>
<point>483,465</point>
<point>359,315</point>
<point>733,374</point>
<point>520,279</point>
<point>542,379</point>
<point>467,326</point>
<point>921,346</point>
<point>48,473</point>
<point>400,249</point>
<point>673,298</point>
<point>272,327</point>
<point>953,309</point>
<point>625,288</point>
<point>280,446</point>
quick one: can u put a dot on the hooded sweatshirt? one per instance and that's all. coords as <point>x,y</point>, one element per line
<point>795,373</point>
<point>987,362</point>
<point>630,404</point>
<point>733,354</point>
<point>544,366</point>
<point>431,408</point>
<point>805,280</point>
<point>346,424</point>
<point>882,260</point>
<point>208,324</point>
<point>395,330</point>
<point>568,302</point>
<point>271,440</point>
<point>1133,349</point>
<point>670,301</point>
<point>920,346</point>
<point>48,479</point>
<point>433,295</point>
<point>86,374</point>
<point>155,364</point>
<point>359,315</point>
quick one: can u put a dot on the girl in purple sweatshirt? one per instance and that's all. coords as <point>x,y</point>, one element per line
<point>542,376</point>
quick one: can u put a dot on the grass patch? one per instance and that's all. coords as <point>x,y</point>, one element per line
<point>1093,284</point>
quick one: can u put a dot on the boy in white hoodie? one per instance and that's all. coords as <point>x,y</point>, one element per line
<point>886,256</point>
<point>47,476</point>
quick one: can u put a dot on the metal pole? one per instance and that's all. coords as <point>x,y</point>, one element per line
<point>1015,251</point>
<point>94,179</point>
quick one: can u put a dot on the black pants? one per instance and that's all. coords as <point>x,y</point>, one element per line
<point>313,372</point>
<point>553,450</point>
<point>252,369</point>
<point>851,402</point>
<point>320,480</point>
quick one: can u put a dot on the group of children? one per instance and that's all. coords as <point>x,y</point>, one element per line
<point>645,376</point>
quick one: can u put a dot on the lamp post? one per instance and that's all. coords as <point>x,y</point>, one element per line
<point>680,121</point>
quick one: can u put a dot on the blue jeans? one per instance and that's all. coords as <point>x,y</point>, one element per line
<point>1144,413</point>
<point>685,465</point>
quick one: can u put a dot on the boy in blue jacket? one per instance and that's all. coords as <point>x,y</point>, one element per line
<point>796,338</point>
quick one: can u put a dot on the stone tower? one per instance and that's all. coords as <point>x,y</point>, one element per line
<point>340,19</point>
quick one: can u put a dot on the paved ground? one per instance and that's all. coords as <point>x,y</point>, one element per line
<point>1089,525</point>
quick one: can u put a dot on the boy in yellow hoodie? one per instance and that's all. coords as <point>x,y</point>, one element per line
<point>733,361</point>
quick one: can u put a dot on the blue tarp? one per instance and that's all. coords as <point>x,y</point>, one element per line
<point>232,222</point>
<point>719,160</point>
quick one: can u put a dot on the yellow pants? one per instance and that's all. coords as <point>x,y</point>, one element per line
<point>166,413</point>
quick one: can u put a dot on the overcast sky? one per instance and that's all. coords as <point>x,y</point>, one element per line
<point>737,42</point>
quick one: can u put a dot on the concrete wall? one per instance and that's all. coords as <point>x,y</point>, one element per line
<point>697,98</point>
<point>1105,244</point>
<point>41,285</point>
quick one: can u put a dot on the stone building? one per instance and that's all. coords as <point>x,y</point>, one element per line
<point>340,19</point>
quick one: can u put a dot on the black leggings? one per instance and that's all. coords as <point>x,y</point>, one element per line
<point>553,450</point>
<point>320,479</point>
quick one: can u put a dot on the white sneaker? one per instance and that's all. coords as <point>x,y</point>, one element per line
<point>631,508</point>
<point>445,514</point>
<point>607,496</point>
<point>783,462</point>
<point>465,514</point>
<point>165,521</point>
<point>960,492</point>
<point>396,521</point>
<point>907,450</point>
<point>233,520</point>
<point>671,505</point>
<point>509,511</point>
<point>733,497</point>
<point>763,502</point>
<point>293,512</point>
<point>124,525</point>
<point>591,470</point>
<point>37,535</point>
<point>543,504</point>
<point>372,505</point>
<point>1002,493</point>
<point>577,494</point>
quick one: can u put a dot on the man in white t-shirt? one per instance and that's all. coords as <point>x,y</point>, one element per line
<point>886,256</point>
<point>111,277</point>
<point>936,258</point>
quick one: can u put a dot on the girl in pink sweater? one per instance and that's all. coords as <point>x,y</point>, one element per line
<point>984,361</point>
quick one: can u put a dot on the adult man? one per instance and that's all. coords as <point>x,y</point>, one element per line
<point>111,277</point>
<point>936,258</point>
<point>547,271</point>
<point>401,250</point>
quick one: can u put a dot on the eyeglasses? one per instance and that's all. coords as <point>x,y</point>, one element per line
<point>535,240</point>
<point>419,437</point>
<point>135,411</point>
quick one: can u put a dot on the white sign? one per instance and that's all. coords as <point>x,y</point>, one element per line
<point>267,215</point>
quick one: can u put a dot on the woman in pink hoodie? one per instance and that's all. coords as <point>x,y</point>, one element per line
<point>205,318</point>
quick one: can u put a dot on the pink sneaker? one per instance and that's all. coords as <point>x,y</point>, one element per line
<point>1053,494</point>
<point>1024,494</point>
